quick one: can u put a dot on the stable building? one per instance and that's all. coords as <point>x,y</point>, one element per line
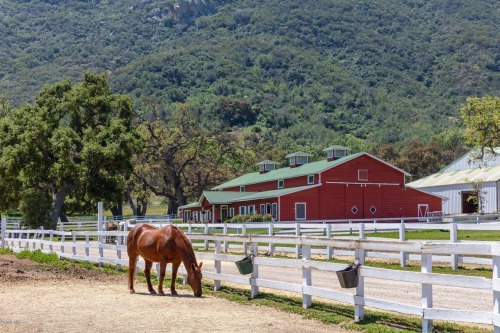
<point>342,186</point>
<point>455,182</point>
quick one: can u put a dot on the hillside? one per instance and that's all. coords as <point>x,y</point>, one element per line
<point>310,72</point>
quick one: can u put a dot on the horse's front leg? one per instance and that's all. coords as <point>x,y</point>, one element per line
<point>175,267</point>
<point>163,268</point>
<point>147,272</point>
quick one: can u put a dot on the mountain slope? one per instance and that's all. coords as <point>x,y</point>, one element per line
<point>314,71</point>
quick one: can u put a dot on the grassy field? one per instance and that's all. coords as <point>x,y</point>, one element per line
<point>469,235</point>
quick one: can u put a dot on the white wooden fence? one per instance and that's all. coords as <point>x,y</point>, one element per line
<point>68,246</point>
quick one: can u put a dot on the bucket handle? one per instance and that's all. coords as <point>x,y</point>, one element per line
<point>353,266</point>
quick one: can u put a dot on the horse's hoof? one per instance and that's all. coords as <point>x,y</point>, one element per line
<point>131,291</point>
<point>152,292</point>
<point>174,292</point>
<point>161,293</point>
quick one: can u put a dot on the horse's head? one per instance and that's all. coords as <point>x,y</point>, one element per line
<point>194,278</point>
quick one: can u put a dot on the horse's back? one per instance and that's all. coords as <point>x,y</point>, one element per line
<point>149,241</point>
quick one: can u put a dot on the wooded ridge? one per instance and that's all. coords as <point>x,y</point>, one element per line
<point>309,72</point>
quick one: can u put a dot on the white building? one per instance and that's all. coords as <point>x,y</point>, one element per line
<point>455,183</point>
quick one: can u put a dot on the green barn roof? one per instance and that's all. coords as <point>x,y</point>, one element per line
<point>284,173</point>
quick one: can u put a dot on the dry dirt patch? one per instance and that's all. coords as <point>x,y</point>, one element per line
<point>38,300</point>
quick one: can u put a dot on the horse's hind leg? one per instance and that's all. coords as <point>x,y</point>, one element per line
<point>147,273</point>
<point>175,267</point>
<point>163,268</point>
<point>132,261</point>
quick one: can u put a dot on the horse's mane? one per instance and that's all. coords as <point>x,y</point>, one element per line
<point>187,245</point>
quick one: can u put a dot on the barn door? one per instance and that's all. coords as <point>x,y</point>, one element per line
<point>372,201</point>
<point>354,208</point>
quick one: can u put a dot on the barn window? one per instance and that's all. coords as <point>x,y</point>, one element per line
<point>354,209</point>
<point>281,183</point>
<point>251,209</point>
<point>363,174</point>
<point>310,179</point>
<point>300,211</point>
<point>373,209</point>
<point>262,209</point>
<point>274,210</point>
<point>243,210</point>
<point>231,212</point>
<point>242,188</point>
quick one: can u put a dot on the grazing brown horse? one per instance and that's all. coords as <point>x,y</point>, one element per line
<point>111,226</point>
<point>164,245</point>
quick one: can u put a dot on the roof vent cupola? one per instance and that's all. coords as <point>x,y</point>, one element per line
<point>298,159</point>
<point>336,152</point>
<point>266,166</point>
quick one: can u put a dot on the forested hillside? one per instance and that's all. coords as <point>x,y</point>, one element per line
<point>303,73</point>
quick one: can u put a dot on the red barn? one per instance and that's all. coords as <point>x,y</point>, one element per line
<point>343,186</point>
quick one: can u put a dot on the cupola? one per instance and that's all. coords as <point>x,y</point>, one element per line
<point>266,166</point>
<point>336,152</point>
<point>298,159</point>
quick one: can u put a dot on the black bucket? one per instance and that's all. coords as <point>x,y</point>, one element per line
<point>245,265</point>
<point>349,277</point>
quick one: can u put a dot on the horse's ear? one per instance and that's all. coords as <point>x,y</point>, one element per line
<point>201,263</point>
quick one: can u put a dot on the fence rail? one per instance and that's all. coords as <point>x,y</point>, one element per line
<point>93,248</point>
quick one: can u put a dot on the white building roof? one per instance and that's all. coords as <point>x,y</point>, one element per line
<point>491,174</point>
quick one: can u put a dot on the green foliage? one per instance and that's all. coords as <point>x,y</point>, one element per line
<point>482,121</point>
<point>250,218</point>
<point>38,256</point>
<point>312,72</point>
<point>35,206</point>
<point>75,141</point>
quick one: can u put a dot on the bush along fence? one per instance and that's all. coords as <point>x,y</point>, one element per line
<point>93,248</point>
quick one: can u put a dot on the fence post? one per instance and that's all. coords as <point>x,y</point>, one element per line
<point>359,302</point>
<point>426,267</point>
<point>42,239</point>
<point>87,247</point>
<point>205,230</point>
<point>226,243</point>
<point>217,264</point>
<point>51,239</point>
<point>4,232</point>
<point>362,231</point>
<point>495,252</point>
<point>402,238</point>
<point>244,233</point>
<point>100,219</point>
<point>306,275</point>
<point>73,247</point>
<point>119,256</point>
<point>350,227</point>
<point>271,233</point>
<point>454,239</point>
<point>329,249</point>
<point>297,233</point>
<point>254,289</point>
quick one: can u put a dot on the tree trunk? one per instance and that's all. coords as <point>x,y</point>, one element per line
<point>63,217</point>
<point>117,211</point>
<point>57,203</point>
<point>130,201</point>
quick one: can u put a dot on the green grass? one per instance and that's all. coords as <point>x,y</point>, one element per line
<point>471,235</point>
<point>327,313</point>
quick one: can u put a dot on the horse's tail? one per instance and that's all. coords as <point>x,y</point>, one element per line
<point>132,237</point>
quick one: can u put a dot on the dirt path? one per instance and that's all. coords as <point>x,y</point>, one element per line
<point>36,300</point>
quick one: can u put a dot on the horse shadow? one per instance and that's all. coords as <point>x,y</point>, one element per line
<point>166,295</point>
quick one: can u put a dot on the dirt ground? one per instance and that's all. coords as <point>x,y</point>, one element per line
<point>37,300</point>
